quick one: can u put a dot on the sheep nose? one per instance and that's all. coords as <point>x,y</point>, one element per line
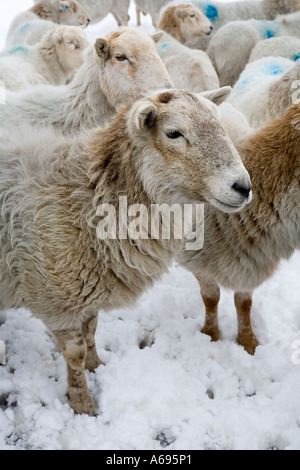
<point>211,28</point>
<point>88,20</point>
<point>242,189</point>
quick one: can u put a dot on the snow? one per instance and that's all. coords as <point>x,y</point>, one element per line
<point>165,386</point>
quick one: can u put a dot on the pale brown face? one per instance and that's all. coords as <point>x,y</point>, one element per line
<point>129,66</point>
<point>193,154</point>
<point>192,22</point>
<point>71,13</point>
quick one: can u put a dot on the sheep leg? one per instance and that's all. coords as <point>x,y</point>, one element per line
<point>138,16</point>
<point>74,349</point>
<point>246,337</point>
<point>92,360</point>
<point>210,292</point>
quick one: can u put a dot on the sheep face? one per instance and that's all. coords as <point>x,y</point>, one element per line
<point>185,22</point>
<point>130,66</point>
<point>192,23</point>
<point>71,44</point>
<point>191,152</point>
<point>71,13</point>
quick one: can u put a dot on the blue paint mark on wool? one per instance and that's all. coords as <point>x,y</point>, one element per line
<point>275,69</point>
<point>24,27</point>
<point>296,57</point>
<point>18,49</point>
<point>269,34</point>
<point>211,12</point>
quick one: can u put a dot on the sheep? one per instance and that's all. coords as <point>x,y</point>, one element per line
<point>29,27</point>
<point>53,60</point>
<point>192,70</point>
<point>283,46</point>
<point>231,46</point>
<point>189,69</point>
<point>265,89</point>
<point>120,67</point>
<point>98,9</point>
<point>57,259</point>
<point>221,13</point>
<point>185,23</point>
<point>242,251</point>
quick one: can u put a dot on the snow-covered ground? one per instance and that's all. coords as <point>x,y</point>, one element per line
<point>178,391</point>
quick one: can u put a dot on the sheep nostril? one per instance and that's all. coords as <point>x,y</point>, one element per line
<point>242,189</point>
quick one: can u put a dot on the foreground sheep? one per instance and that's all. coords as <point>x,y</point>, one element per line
<point>185,23</point>
<point>121,67</point>
<point>53,60</point>
<point>265,89</point>
<point>242,251</point>
<point>29,27</point>
<point>230,48</point>
<point>98,9</point>
<point>168,148</point>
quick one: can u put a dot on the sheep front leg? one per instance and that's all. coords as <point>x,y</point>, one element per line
<point>246,337</point>
<point>210,292</point>
<point>88,330</point>
<point>74,349</point>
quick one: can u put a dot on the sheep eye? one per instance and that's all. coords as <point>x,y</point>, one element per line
<point>174,135</point>
<point>121,58</point>
<point>192,16</point>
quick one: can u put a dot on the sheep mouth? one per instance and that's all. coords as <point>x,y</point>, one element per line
<point>228,208</point>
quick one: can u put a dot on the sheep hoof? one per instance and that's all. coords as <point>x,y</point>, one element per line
<point>93,362</point>
<point>213,332</point>
<point>249,343</point>
<point>82,404</point>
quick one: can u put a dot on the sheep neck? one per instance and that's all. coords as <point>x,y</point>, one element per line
<point>271,157</point>
<point>86,106</point>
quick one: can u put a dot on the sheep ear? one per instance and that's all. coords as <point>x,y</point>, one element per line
<point>180,12</point>
<point>102,48</point>
<point>217,96</point>
<point>145,116</point>
<point>157,36</point>
<point>58,37</point>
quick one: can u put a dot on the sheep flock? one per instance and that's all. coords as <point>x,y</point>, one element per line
<point>117,118</point>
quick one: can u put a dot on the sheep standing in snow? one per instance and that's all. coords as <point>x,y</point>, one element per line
<point>265,89</point>
<point>29,27</point>
<point>53,60</point>
<point>120,67</point>
<point>98,9</point>
<point>170,148</point>
<point>185,23</point>
<point>231,46</point>
<point>242,251</point>
<point>283,46</point>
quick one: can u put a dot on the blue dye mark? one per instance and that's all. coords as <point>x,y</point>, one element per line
<point>18,49</point>
<point>24,27</point>
<point>241,86</point>
<point>163,46</point>
<point>274,69</point>
<point>296,57</point>
<point>64,8</point>
<point>211,12</point>
<point>269,34</point>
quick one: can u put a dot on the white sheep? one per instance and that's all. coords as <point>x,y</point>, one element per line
<point>29,27</point>
<point>52,61</point>
<point>189,69</point>
<point>231,46</point>
<point>58,260</point>
<point>120,67</point>
<point>98,9</point>
<point>185,23</point>
<point>265,89</point>
<point>242,251</point>
<point>283,46</point>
